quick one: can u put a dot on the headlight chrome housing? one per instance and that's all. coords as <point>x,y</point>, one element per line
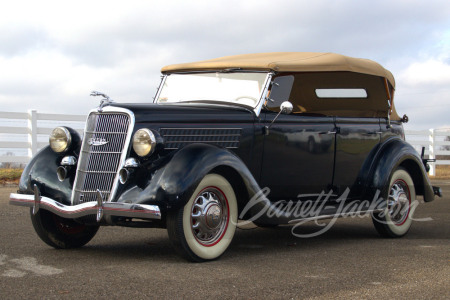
<point>60,139</point>
<point>144,142</point>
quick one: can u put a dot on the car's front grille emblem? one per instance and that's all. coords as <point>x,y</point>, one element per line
<point>97,141</point>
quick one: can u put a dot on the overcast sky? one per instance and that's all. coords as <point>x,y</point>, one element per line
<point>54,53</point>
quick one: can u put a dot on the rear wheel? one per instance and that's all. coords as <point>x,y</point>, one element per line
<point>60,232</point>
<point>396,219</point>
<point>203,229</point>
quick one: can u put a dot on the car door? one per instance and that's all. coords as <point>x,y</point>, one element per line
<point>355,139</point>
<point>298,155</point>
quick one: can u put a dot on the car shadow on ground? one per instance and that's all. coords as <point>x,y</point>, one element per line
<point>124,244</point>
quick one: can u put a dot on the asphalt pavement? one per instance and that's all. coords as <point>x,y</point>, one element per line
<point>348,261</point>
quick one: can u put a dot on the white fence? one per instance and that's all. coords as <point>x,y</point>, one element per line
<point>23,134</point>
<point>434,141</point>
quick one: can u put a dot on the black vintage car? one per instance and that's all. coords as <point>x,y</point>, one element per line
<point>250,137</point>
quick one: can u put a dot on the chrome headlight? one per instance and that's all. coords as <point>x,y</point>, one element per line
<point>60,139</point>
<point>144,142</point>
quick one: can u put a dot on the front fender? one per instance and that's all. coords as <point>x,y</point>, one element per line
<point>395,153</point>
<point>172,185</point>
<point>41,170</point>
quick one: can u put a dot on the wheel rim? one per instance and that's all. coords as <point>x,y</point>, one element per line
<point>209,216</point>
<point>399,202</point>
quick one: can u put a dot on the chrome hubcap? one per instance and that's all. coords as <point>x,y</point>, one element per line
<point>209,216</point>
<point>398,202</point>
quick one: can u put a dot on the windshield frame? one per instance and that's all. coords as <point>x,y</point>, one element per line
<point>256,109</point>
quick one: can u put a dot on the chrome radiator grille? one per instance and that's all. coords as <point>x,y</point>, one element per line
<point>104,142</point>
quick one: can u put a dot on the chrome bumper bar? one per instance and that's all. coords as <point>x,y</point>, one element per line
<point>98,208</point>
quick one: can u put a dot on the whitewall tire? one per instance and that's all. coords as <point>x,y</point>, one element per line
<point>396,219</point>
<point>203,229</point>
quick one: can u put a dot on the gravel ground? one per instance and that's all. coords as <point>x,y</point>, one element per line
<point>350,260</point>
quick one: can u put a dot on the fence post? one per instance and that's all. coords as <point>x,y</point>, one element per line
<point>432,139</point>
<point>32,132</point>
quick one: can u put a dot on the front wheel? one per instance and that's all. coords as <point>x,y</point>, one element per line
<point>203,229</point>
<point>61,233</point>
<point>396,219</point>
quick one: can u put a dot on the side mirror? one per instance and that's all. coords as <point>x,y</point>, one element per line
<point>286,107</point>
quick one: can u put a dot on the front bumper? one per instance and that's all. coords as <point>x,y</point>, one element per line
<point>98,208</point>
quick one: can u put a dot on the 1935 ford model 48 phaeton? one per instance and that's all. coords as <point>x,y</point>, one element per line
<point>294,125</point>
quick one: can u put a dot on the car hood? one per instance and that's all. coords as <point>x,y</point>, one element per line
<point>187,113</point>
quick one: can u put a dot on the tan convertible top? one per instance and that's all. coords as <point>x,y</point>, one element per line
<point>288,62</point>
<point>316,69</point>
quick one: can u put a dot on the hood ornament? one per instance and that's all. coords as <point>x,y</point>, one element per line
<point>104,102</point>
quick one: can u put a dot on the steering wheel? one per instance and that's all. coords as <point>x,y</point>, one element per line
<point>246,101</point>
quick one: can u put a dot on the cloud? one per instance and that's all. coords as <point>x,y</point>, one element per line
<point>53,53</point>
<point>424,91</point>
<point>432,72</point>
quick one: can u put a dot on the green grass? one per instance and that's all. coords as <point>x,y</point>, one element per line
<point>442,172</point>
<point>10,175</point>
<point>13,175</point>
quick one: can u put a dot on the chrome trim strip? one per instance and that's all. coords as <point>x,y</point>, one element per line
<point>143,211</point>
<point>258,107</point>
<point>158,92</point>
<point>200,128</point>
<point>192,135</point>
<point>125,152</point>
<point>232,70</point>
<point>170,148</point>
<point>205,142</point>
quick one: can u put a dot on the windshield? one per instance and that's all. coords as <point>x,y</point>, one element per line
<point>242,88</point>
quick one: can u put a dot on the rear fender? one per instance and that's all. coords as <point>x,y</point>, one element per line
<point>392,154</point>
